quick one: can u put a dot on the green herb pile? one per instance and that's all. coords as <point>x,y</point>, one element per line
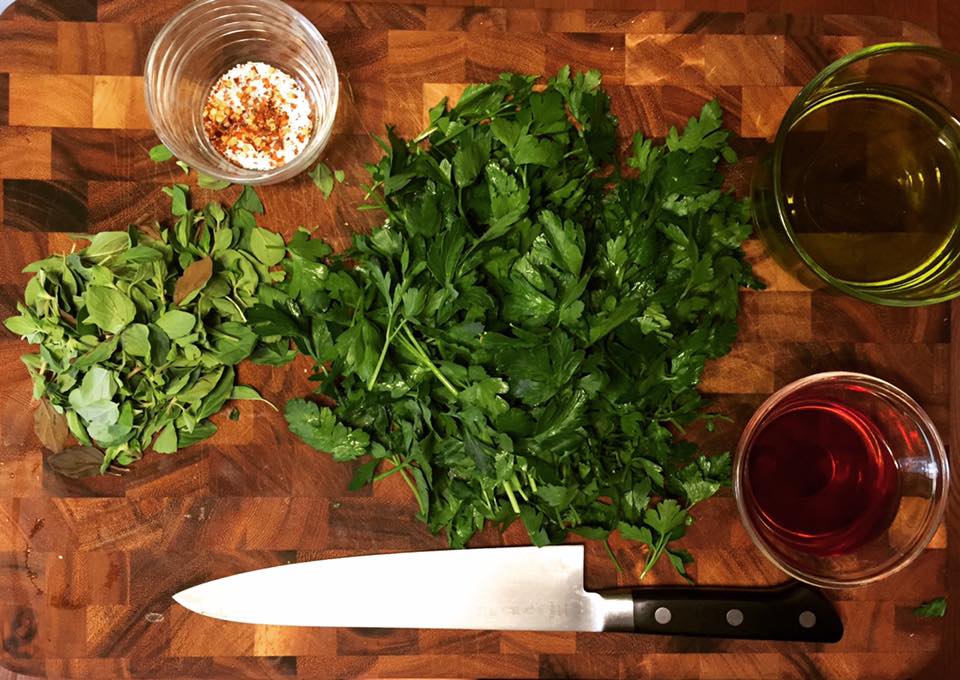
<point>139,333</point>
<point>524,335</point>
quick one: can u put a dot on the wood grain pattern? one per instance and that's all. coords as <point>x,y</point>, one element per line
<point>25,152</point>
<point>86,592</point>
<point>41,100</point>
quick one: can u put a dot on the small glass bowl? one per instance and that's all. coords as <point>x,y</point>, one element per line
<point>207,38</point>
<point>922,468</point>
<point>904,72</point>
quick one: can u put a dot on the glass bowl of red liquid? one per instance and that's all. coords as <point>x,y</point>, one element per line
<point>841,479</point>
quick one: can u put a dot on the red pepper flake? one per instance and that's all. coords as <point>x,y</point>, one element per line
<point>258,116</point>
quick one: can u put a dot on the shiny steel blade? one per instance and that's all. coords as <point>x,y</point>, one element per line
<point>523,588</point>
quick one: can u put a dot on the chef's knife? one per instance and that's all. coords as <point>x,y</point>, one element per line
<point>524,588</point>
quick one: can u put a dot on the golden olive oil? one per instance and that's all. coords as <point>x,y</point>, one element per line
<point>870,181</point>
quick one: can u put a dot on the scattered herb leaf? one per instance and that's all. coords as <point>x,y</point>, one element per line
<point>936,607</point>
<point>76,462</point>
<point>247,393</point>
<point>50,426</point>
<point>207,182</point>
<point>324,178</point>
<point>160,154</point>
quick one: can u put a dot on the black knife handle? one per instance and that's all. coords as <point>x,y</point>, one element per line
<point>794,611</point>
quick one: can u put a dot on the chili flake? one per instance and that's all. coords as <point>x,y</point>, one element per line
<point>258,116</point>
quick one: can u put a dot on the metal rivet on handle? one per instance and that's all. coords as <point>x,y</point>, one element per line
<point>734,617</point>
<point>662,615</point>
<point>808,619</point>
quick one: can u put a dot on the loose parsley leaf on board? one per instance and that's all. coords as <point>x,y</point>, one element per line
<point>523,336</point>
<point>936,607</point>
<point>319,428</point>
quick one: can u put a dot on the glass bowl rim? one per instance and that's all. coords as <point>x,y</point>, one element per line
<point>937,452</point>
<point>795,108</point>
<point>155,60</point>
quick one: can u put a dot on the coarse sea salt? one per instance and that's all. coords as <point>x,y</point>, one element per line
<point>258,116</point>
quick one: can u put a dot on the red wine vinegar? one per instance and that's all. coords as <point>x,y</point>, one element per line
<point>822,478</point>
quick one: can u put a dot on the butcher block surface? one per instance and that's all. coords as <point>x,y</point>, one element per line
<point>87,568</point>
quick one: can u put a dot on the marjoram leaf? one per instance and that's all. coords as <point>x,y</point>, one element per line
<point>50,426</point>
<point>193,279</point>
<point>76,462</point>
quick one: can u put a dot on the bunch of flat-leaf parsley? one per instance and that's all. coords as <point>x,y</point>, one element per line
<point>524,335</point>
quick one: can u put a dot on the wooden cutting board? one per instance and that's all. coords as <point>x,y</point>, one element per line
<point>87,568</point>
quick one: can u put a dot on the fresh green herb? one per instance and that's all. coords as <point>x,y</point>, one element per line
<point>51,426</point>
<point>324,178</point>
<point>160,154</point>
<point>247,393</point>
<point>138,333</point>
<point>79,461</point>
<point>207,182</point>
<point>936,607</point>
<point>524,336</point>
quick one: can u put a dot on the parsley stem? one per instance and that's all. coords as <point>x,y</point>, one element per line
<point>486,498</point>
<point>397,467</point>
<point>513,499</point>
<point>613,558</point>
<point>423,135</point>
<point>390,335</point>
<point>653,556</point>
<point>520,490</point>
<point>416,492</point>
<point>383,355</point>
<point>418,351</point>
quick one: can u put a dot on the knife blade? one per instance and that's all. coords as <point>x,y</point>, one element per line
<point>522,588</point>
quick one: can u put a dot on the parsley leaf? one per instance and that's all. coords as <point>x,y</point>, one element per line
<point>936,607</point>
<point>319,428</point>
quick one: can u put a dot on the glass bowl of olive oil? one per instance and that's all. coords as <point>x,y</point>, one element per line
<point>862,188</point>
